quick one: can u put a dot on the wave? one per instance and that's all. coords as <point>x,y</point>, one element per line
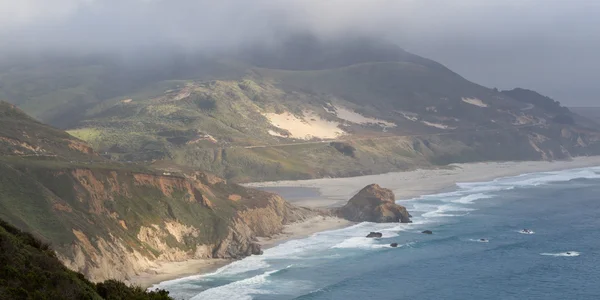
<point>241,290</point>
<point>468,199</point>
<point>442,210</point>
<point>526,232</point>
<point>531,179</point>
<point>567,253</point>
<point>480,240</point>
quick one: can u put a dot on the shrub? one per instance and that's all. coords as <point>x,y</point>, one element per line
<point>344,148</point>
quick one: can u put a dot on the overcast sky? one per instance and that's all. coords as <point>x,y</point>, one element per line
<point>548,45</point>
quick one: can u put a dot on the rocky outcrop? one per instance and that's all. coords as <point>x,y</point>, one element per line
<point>375,235</point>
<point>374,204</point>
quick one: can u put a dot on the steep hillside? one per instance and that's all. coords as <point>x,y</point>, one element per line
<point>111,220</point>
<point>361,119</point>
<point>29,269</point>
<point>307,108</point>
<point>20,135</point>
<point>56,89</point>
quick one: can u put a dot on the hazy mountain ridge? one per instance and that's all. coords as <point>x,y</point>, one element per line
<point>416,116</point>
<point>219,113</point>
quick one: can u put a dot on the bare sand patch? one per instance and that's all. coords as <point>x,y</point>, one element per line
<point>409,115</point>
<point>437,125</point>
<point>354,117</point>
<point>307,127</point>
<point>474,101</point>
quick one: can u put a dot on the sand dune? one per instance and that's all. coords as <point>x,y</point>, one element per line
<point>307,127</point>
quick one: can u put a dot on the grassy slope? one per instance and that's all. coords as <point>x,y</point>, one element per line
<point>30,192</point>
<point>76,199</point>
<point>169,113</point>
<point>56,90</point>
<point>159,127</point>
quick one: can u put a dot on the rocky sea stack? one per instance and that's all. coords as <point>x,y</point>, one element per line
<point>374,204</point>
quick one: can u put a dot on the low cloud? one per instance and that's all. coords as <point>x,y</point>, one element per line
<point>549,45</point>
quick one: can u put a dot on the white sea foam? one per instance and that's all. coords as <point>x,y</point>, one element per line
<point>355,242</point>
<point>526,232</point>
<point>442,210</point>
<point>468,199</point>
<point>534,179</point>
<point>567,253</point>
<point>248,264</point>
<point>480,240</point>
<point>365,243</point>
<point>241,290</point>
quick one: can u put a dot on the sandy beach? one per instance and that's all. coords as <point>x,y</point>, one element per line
<point>165,271</point>
<point>335,192</point>
<point>172,270</point>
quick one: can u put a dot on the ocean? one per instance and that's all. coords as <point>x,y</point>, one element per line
<point>558,259</point>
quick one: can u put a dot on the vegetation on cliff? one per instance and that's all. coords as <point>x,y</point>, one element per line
<point>113,220</point>
<point>29,269</point>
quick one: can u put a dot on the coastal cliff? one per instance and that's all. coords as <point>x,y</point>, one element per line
<point>112,220</point>
<point>108,223</point>
<point>374,204</point>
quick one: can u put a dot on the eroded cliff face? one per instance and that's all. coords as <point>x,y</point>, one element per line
<point>117,223</point>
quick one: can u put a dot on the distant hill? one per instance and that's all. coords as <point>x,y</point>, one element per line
<point>21,135</point>
<point>285,111</point>
<point>287,124</point>
<point>592,113</point>
<point>307,52</point>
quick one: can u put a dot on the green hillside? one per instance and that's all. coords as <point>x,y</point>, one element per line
<point>223,126</point>
<point>98,213</point>
<point>282,112</point>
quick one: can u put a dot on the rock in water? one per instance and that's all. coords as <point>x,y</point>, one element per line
<point>375,235</point>
<point>374,204</point>
<point>394,245</point>
<point>427,232</point>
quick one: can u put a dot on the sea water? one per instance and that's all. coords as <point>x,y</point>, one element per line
<point>558,259</point>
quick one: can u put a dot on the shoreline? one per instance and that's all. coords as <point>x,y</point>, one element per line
<point>335,192</point>
<point>165,271</point>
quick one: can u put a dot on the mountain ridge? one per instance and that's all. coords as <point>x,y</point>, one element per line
<point>307,89</point>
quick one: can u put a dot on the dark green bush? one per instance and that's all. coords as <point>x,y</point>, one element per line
<point>29,269</point>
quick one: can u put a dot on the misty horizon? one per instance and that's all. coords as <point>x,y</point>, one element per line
<point>547,46</point>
